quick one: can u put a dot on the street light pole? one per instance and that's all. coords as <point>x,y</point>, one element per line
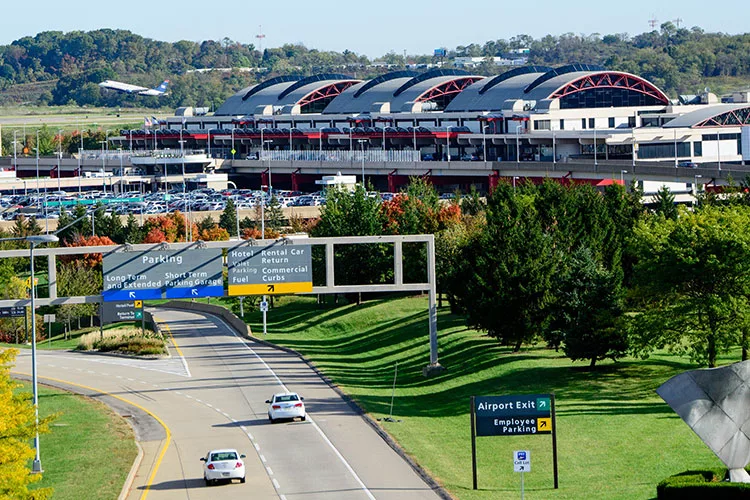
<point>104,168</point>
<point>15,154</point>
<point>695,189</point>
<point>675,147</point>
<point>448,142</point>
<point>38,191</point>
<point>518,146</point>
<point>122,172</point>
<point>184,186</point>
<point>36,466</point>
<point>595,162</point>
<point>554,153</point>
<point>484,142</point>
<point>362,146</point>
<point>59,161</point>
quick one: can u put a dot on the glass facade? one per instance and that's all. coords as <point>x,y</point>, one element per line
<point>663,150</point>
<point>607,97</point>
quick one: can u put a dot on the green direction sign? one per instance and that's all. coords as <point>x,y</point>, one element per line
<point>115,312</point>
<point>513,415</point>
<point>103,201</point>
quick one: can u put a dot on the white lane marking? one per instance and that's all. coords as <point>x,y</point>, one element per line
<point>257,446</point>
<point>275,483</point>
<point>270,472</point>
<point>282,497</point>
<point>244,429</point>
<point>250,436</point>
<point>320,431</point>
<point>178,392</point>
<point>263,458</point>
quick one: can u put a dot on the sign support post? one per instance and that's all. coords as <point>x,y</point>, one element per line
<point>554,438</point>
<point>473,443</point>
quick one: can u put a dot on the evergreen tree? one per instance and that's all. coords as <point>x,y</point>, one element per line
<point>206,224</point>
<point>228,218</point>
<point>133,232</point>
<point>664,203</point>
<point>504,282</point>
<point>274,214</point>
<point>590,306</point>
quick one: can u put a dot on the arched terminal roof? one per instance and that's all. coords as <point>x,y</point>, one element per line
<point>312,94</point>
<point>490,93</point>
<point>400,88</point>
<point>595,89</point>
<point>359,98</point>
<point>718,115</point>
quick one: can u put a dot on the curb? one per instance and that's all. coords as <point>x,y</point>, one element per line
<point>434,485</point>
<point>131,475</point>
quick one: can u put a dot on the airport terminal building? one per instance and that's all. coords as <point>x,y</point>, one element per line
<point>533,113</point>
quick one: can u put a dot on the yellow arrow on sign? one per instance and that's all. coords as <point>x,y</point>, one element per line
<point>28,282</point>
<point>138,304</point>
<point>266,289</point>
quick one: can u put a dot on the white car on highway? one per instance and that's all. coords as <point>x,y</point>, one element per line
<point>286,405</point>
<point>224,464</point>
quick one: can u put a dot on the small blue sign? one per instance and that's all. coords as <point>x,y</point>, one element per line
<point>520,455</point>
<point>114,295</point>
<point>195,292</point>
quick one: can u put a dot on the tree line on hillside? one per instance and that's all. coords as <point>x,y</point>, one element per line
<point>679,60</point>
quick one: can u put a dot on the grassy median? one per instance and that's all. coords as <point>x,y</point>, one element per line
<point>88,452</point>
<point>616,438</point>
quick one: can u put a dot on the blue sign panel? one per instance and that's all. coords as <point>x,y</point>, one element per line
<point>188,273</point>
<point>195,292</point>
<point>122,295</point>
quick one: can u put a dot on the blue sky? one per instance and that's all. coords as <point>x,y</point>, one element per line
<point>369,28</point>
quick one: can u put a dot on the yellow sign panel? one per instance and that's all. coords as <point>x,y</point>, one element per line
<point>138,304</point>
<point>28,282</point>
<point>270,289</point>
<point>543,424</point>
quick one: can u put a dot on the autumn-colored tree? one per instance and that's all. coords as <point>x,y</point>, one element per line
<point>155,235</point>
<point>17,428</point>
<point>88,259</point>
<point>171,228</point>
<point>215,233</point>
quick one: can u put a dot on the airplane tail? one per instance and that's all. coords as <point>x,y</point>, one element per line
<point>162,87</point>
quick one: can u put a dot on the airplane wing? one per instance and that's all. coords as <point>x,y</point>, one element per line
<point>122,87</point>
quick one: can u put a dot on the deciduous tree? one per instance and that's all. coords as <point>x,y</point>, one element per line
<point>17,428</point>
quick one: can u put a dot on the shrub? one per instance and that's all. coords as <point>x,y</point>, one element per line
<point>701,484</point>
<point>125,340</point>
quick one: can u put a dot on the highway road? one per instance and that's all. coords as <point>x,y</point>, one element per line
<point>211,394</point>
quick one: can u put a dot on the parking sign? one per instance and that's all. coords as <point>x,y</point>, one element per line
<point>522,461</point>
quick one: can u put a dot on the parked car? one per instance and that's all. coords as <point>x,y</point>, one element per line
<point>688,164</point>
<point>286,405</point>
<point>223,464</point>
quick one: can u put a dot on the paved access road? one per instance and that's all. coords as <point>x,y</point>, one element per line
<point>211,394</point>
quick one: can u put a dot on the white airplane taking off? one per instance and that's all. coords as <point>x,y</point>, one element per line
<point>135,89</point>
